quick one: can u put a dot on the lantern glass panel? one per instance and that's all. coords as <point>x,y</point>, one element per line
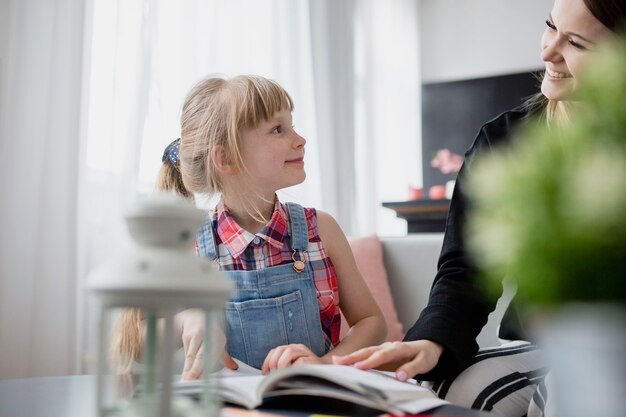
<point>158,278</point>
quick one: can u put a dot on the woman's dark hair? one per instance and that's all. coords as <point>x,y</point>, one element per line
<point>611,13</point>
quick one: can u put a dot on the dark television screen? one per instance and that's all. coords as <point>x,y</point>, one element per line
<point>453,112</point>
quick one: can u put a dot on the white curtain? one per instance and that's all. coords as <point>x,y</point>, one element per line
<point>83,132</point>
<point>387,123</point>
<point>145,56</point>
<point>39,142</point>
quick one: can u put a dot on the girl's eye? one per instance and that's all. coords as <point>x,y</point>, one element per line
<point>277,129</point>
<point>550,24</point>
<point>577,45</point>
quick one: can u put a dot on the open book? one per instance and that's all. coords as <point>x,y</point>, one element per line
<point>247,387</point>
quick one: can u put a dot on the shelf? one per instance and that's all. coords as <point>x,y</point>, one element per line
<point>422,216</point>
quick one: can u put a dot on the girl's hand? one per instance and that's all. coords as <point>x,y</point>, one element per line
<point>287,355</point>
<point>192,328</point>
<point>195,366</point>
<point>406,358</point>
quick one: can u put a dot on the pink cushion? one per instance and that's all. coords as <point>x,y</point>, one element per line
<point>368,254</point>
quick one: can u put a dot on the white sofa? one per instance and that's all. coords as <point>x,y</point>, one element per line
<point>411,264</point>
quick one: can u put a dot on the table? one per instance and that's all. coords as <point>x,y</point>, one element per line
<point>422,216</point>
<point>75,396</point>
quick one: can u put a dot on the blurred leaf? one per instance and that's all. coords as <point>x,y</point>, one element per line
<point>550,211</point>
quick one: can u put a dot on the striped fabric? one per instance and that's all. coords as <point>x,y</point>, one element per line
<point>502,379</point>
<point>239,250</point>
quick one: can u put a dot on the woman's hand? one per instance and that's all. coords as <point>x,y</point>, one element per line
<point>192,329</point>
<point>406,358</point>
<point>287,355</point>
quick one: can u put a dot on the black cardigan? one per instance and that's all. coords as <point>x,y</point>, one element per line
<point>458,307</point>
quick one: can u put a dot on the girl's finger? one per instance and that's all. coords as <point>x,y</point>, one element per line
<point>197,367</point>
<point>191,350</point>
<point>228,361</point>
<point>270,360</point>
<point>290,355</point>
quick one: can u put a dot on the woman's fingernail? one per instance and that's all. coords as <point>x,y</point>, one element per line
<point>401,376</point>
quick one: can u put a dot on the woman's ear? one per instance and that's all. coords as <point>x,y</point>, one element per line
<point>221,161</point>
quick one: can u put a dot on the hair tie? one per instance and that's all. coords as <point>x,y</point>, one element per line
<point>171,152</point>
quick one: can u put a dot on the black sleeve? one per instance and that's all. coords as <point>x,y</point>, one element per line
<point>458,307</point>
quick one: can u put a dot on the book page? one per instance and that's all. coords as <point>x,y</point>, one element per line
<point>372,388</point>
<point>243,370</point>
<point>247,387</point>
<point>241,390</point>
<point>236,386</point>
<point>369,383</point>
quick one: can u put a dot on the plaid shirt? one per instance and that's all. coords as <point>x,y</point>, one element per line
<point>239,249</point>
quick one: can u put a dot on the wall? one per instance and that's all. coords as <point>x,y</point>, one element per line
<point>38,182</point>
<point>463,39</point>
<point>4,44</point>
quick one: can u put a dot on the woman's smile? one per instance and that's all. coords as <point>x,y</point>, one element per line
<point>557,75</point>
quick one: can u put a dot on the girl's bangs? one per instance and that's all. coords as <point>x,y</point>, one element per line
<point>264,99</point>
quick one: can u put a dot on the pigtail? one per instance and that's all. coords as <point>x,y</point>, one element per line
<point>126,340</point>
<point>170,177</point>
<point>127,332</point>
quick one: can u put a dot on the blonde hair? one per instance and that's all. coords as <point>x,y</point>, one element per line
<point>215,113</point>
<point>126,340</point>
<point>554,113</point>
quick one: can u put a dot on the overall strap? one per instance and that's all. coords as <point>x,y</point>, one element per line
<point>206,240</point>
<point>298,227</point>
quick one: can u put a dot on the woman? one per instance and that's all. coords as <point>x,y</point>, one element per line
<point>441,345</point>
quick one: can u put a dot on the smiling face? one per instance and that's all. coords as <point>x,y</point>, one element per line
<point>571,35</point>
<point>273,154</point>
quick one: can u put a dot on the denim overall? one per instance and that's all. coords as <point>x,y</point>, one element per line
<point>272,306</point>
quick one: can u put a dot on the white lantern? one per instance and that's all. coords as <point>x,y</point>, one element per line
<point>160,276</point>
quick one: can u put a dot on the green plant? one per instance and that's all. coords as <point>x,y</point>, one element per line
<point>550,211</point>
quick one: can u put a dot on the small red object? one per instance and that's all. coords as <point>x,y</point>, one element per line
<point>415,193</point>
<point>437,192</point>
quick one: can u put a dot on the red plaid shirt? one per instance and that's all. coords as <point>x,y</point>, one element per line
<point>239,249</point>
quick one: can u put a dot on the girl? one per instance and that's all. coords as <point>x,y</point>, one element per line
<point>441,345</point>
<point>292,267</point>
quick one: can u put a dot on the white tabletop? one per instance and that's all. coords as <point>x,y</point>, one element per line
<point>75,396</point>
<point>62,396</point>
